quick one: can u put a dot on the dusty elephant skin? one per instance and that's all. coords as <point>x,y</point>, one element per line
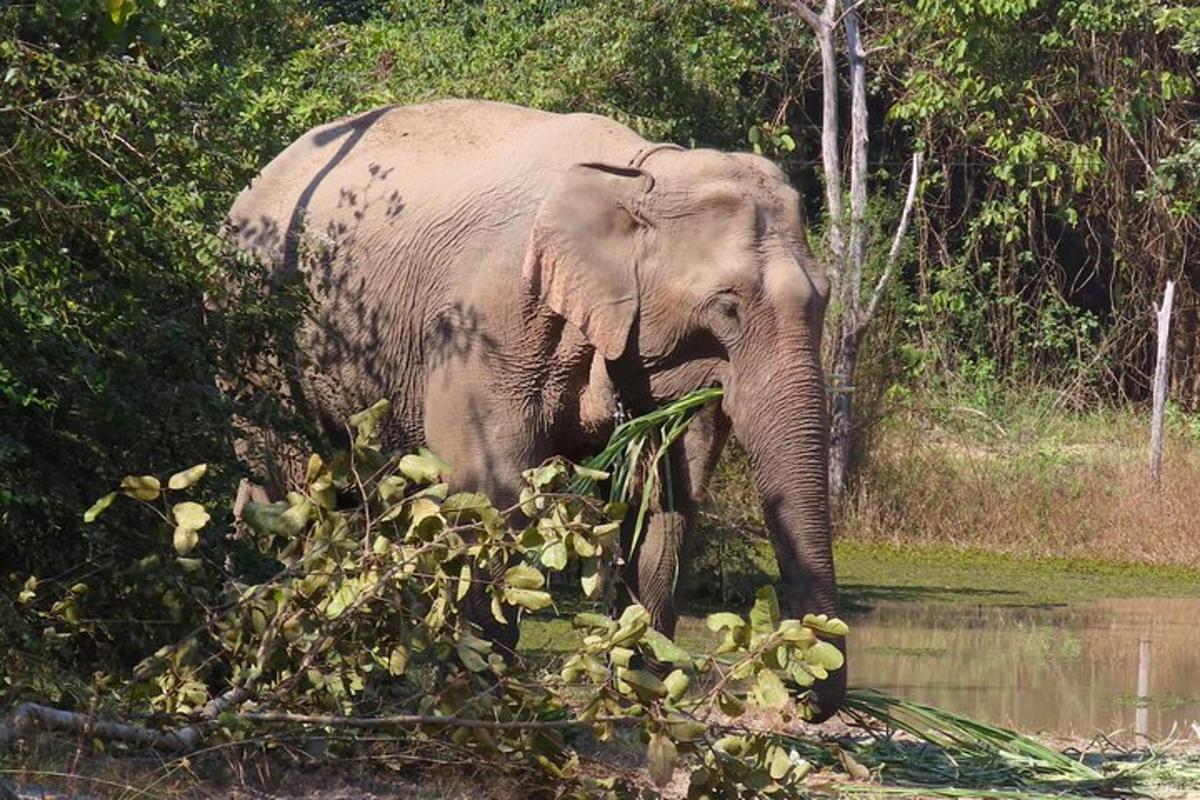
<point>505,275</point>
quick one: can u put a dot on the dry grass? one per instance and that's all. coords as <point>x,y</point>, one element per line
<point>1034,484</point>
<point>1057,487</point>
<point>293,768</point>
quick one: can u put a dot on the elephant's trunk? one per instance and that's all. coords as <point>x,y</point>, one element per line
<point>778,414</point>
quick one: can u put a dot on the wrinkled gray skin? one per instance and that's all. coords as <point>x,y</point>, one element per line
<point>503,275</point>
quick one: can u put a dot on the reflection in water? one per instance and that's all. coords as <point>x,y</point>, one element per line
<point>1077,669</point>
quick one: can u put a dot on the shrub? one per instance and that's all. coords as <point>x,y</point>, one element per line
<point>376,609</point>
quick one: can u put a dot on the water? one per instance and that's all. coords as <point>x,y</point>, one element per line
<point>1073,670</point>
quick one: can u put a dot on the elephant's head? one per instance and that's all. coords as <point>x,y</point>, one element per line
<point>693,271</point>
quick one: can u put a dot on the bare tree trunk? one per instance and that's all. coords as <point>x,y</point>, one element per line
<point>849,320</point>
<point>846,357</point>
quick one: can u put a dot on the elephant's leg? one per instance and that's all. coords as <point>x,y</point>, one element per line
<point>487,444</point>
<point>659,556</point>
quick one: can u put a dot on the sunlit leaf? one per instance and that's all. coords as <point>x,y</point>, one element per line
<point>677,684</point>
<point>98,507</point>
<point>419,469</point>
<point>764,614</point>
<point>143,487</point>
<point>187,477</point>
<point>523,576</point>
<point>831,626</point>
<point>527,598</point>
<point>184,539</point>
<point>769,691</point>
<point>190,515</point>
<point>555,556</point>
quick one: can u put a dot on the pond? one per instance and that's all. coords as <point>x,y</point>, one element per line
<point>1121,667</point>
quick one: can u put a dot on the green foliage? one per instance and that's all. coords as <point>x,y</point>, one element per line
<point>381,605</point>
<point>1062,185</point>
<point>127,129</point>
<point>687,72</point>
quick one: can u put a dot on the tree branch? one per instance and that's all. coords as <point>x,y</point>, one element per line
<point>918,161</point>
<point>29,716</point>
<point>809,16</point>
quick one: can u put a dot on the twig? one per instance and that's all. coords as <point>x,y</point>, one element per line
<point>411,720</point>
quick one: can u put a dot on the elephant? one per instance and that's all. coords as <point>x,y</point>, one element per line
<point>512,280</point>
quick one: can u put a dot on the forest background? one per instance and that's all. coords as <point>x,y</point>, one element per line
<point>1001,404</point>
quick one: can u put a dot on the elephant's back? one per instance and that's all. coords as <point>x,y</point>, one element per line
<point>370,170</point>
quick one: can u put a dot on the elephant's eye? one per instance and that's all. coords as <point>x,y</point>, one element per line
<point>725,312</point>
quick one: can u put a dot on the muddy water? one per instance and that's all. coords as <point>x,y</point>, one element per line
<point>1077,669</point>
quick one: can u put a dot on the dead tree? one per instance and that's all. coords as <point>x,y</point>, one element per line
<point>839,23</point>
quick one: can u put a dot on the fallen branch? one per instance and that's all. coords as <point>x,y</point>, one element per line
<point>29,716</point>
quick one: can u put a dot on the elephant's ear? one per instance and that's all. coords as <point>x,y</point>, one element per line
<point>583,252</point>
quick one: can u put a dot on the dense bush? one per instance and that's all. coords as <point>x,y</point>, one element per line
<point>125,135</point>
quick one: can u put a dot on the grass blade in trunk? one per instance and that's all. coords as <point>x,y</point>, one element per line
<point>640,444</point>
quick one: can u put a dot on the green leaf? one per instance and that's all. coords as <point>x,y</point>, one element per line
<point>470,657</point>
<point>464,581</point>
<point>666,650</point>
<point>677,684</point>
<point>620,656</point>
<point>29,591</point>
<point>779,762</point>
<point>523,576</point>
<point>185,539</point>
<point>793,631</point>
<point>143,487</point>
<point>826,655</point>
<point>661,756</point>
<point>769,691</point>
<point>527,598</point>
<point>724,619</point>
<point>314,468</point>
<point>419,469</point>
<point>730,705</point>
<point>590,578</point>
<point>98,507</point>
<point>645,684</point>
<point>687,730</point>
<point>830,626</point>
<point>366,422</point>
<point>616,510</point>
<point>466,502</point>
<point>190,564</point>
<point>190,515</point>
<point>764,615</point>
<point>590,619</point>
<point>545,475</point>
<point>398,660</point>
<point>555,556</point>
<point>587,473</point>
<point>184,479</point>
